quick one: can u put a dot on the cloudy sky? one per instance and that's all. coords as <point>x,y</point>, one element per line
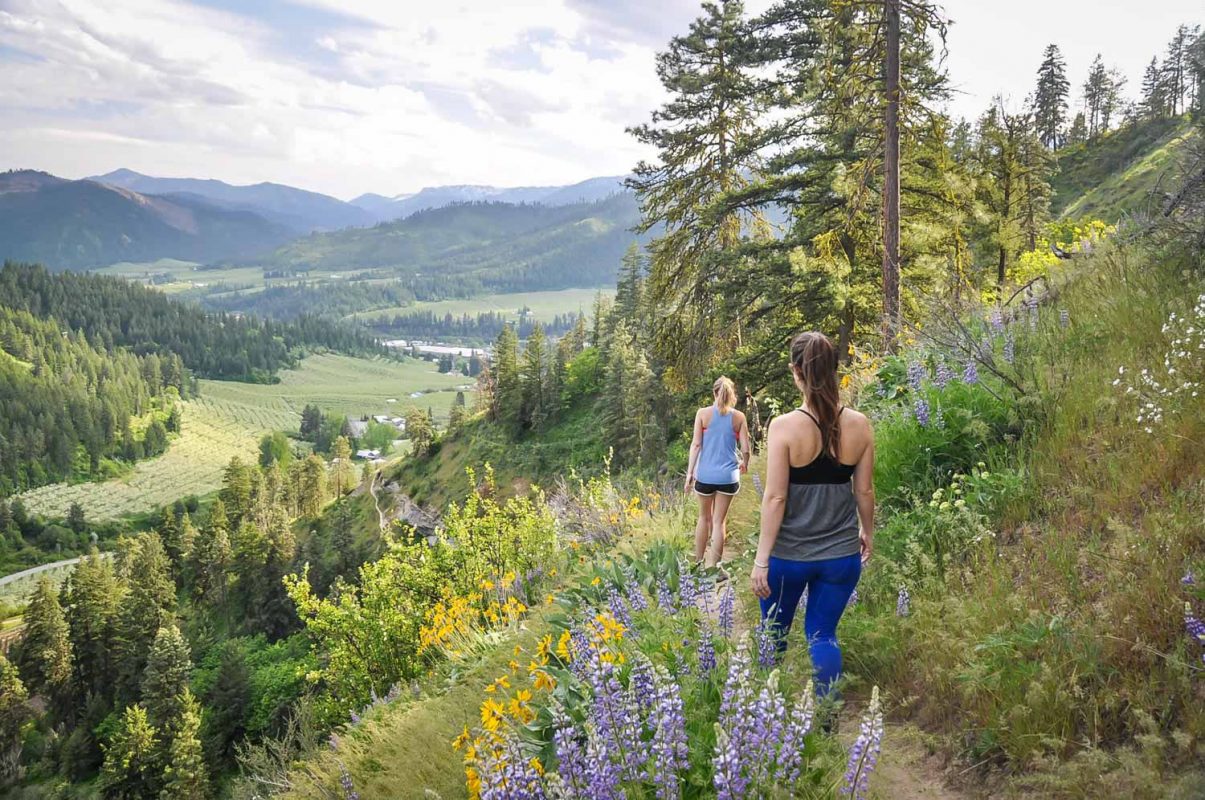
<point>351,96</point>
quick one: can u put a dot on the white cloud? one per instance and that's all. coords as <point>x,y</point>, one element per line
<point>346,96</point>
<point>404,100</point>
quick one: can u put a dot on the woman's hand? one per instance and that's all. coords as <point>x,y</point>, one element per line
<point>760,580</point>
<point>867,546</point>
<point>689,480</point>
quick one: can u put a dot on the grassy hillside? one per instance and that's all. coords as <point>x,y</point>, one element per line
<point>1041,536</point>
<point>1117,174</point>
<point>573,443</point>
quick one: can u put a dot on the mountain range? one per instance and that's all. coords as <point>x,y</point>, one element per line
<point>127,216</point>
<point>403,205</point>
<point>82,224</point>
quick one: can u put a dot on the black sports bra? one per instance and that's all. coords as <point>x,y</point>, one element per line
<point>824,468</point>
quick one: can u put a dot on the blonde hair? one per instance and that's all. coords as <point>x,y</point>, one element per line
<point>724,391</point>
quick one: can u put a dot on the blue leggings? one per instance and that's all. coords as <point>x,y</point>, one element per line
<point>829,584</point>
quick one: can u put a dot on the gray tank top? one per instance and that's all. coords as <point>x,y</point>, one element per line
<point>821,518</point>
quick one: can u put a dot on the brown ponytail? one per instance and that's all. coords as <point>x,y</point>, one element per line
<point>724,392</point>
<point>814,360</point>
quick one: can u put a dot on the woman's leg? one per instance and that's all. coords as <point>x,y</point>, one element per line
<point>787,580</point>
<point>703,526</point>
<point>719,528</point>
<point>828,594</point>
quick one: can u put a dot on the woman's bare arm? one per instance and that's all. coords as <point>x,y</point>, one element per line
<point>746,448</point>
<point>773,504</point>
<point>696,446</point>
<point>864,494</point>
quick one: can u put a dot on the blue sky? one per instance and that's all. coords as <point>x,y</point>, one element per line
<point>349,96</point>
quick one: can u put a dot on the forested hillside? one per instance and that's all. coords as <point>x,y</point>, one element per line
<point>455,251</point>
<point>70,409</point>
<point>116,313</point>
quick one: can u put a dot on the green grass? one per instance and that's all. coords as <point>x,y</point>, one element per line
<point>544,305</point>
<point>572,444</point>
<point>403,750</point>
<point>1059,640</point>
<point>229,418</point>
<point>1117,175</point>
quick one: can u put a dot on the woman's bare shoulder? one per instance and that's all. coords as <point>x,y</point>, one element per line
<point>856,420</point>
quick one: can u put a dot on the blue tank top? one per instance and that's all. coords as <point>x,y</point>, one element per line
<point>717,461</point>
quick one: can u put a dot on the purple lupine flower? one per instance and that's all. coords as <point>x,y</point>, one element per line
<point>916,374</point>
<point>355,717</point>
<point>603,774</point>
<point>727,610</point>
<point>903,603</point>
<point>865,752</point>
<point>770,711</point>
<point>996,320</point>
<point>798,726</point>
<point>1194,626</point>
<point>345,781</point>
<point>920,410</point>
<point>619,607</point>
<point>615,716</point>
<point>944,374</point>
<point>767,636</point>
<point>853,599</point>
<point>970,373</point>
<point>1031,306</point>
<point>1064,317</point>
<point>581,650</point>
<point>641,684</point>
<point>1010,349</point>
<point>570,754</point>
<point>1189,579</point>
<point>688,587</point>
<point>939,418</point>
<point>706,652</point>
<point>669,752</point>
<point>510,775</point>
<point>733,728</point>
<point>757,485</point>
<point>665,597</point>
<point>633,590</point>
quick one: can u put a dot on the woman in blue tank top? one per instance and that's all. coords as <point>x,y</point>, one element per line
<point>715,469</point>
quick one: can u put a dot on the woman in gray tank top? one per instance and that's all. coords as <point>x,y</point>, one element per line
<point>817,517</point>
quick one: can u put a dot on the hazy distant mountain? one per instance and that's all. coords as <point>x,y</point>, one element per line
<point>80,224</point>
<point>403,205</point>
<point>301,210</point>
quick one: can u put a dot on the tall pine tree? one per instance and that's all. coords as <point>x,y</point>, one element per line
<point>1050,98</point>
<point>701,137</point>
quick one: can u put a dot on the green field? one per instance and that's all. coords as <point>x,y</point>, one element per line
<point>187,279</point>
<point>351,386</point>
<point>544,305</point>
<point>228,419</point>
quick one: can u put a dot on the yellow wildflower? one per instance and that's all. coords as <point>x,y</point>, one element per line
<point>544,681</point>
<point>562,648</point>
